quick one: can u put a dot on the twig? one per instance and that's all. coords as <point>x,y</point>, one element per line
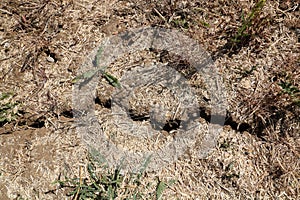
<point>160,14</point>
<point>5,11</point>
<point>177,109</point>
<point>9,57</point>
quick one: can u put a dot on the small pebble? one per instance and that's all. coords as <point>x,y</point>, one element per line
<point>6,45</point>
<point>50,59</point>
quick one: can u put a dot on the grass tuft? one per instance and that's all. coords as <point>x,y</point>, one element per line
<point>106,184</point>
<point>8,109</point>
<point>248,22</point>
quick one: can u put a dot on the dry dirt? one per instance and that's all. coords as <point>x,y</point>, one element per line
<point>43,44</point>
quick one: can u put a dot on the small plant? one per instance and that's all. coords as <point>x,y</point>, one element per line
<point>105,184</point>
<point>161,186</point>
<point>8,109</point>
<point>225,144</point>
<point>291,90</point>
<point>181,23</point>
<point>19,197</point>
<point>244,31</point>
<point>87,76</point>
<point>205,24</point>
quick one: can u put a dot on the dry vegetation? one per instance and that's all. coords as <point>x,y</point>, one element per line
<point>43,43</point>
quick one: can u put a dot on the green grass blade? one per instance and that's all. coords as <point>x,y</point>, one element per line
<point>85,76</point>
<point>160,189</point>
<point>96,62</point>
<point>112,80</point>
<point>142,170</point>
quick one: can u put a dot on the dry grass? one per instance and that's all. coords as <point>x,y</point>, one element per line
<point>43,43</point>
